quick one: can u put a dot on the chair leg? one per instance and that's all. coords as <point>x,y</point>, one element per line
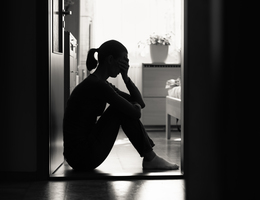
<point>178,127</point>
<point>168,126</point>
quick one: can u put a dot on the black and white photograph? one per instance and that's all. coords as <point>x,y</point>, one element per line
<point>123,100</point>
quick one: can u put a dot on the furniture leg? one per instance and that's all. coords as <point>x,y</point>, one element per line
<point>168,126</point>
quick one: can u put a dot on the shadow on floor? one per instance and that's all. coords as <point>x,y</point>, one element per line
<point>124,161</point>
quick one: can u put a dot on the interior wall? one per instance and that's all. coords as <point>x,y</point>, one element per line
<point>202,102</point>
<point>134,57</point>
<point>135,61</point>
<point>19,89</point>
<point>212,58</point>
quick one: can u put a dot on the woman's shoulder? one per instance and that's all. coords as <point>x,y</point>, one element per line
<point>92,82</point>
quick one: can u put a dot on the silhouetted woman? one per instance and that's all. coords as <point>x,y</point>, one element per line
<point>88,141</point>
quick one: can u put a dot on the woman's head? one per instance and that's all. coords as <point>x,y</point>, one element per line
<point>110,48</point>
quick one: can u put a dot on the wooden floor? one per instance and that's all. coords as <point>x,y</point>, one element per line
<point>124,161</point>
<point>120,177</point>
<point>94,190</point>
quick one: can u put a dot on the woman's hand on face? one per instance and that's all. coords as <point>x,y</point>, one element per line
<point>124,66</point>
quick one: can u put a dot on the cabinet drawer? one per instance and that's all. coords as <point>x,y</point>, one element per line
<point>154,80</point>
<point>154,111</point>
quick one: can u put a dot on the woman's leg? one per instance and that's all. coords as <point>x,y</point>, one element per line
<point>134,130</point>
<point>138,136</point>
<point>107,128</point>
<point>101,139</point>
<point>104,135</point>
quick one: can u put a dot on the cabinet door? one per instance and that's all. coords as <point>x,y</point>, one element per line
<point>154,111</point>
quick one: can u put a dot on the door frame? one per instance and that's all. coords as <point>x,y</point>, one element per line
<point>182,106</point>
<point>56,88</point>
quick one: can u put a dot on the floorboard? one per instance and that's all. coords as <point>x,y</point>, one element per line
<point>93,190</point>
<point>124,161</point>
<point>123,166</point>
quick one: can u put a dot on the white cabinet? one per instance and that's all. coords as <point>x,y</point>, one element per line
<point>70,64</point>
<point>154,92</point>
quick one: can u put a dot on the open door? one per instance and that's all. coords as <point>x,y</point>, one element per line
<point>56,83</point>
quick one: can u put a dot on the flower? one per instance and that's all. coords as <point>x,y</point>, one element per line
<point>160,39</point>
<point>154,39</point>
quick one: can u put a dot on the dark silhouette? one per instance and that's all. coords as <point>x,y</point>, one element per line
<point>88,141</point>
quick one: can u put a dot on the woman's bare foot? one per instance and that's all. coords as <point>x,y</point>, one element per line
<point>158,163</point>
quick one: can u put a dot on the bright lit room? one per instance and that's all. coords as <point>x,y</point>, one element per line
<point>151,30</point>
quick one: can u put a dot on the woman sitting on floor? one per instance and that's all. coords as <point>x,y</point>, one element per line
<point>88,141</point>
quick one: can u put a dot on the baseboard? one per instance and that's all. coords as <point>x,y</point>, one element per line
<point>160,127</point>
<point>21,176</point>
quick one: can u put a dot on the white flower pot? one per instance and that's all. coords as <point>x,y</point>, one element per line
<point>159,53</point>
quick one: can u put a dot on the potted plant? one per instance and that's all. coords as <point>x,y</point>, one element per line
<point>159,47</point>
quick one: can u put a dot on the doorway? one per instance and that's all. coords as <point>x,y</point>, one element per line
<point>172,149</point>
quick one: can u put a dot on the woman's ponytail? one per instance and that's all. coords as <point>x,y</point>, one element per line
<point>111,47</point>
<point>91,61</point>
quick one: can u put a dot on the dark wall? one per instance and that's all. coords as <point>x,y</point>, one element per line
<point>18,138</point>
<point>25,86</point>
<point>212,59</point>
<point>202,105</point>
<point>24,99</point>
